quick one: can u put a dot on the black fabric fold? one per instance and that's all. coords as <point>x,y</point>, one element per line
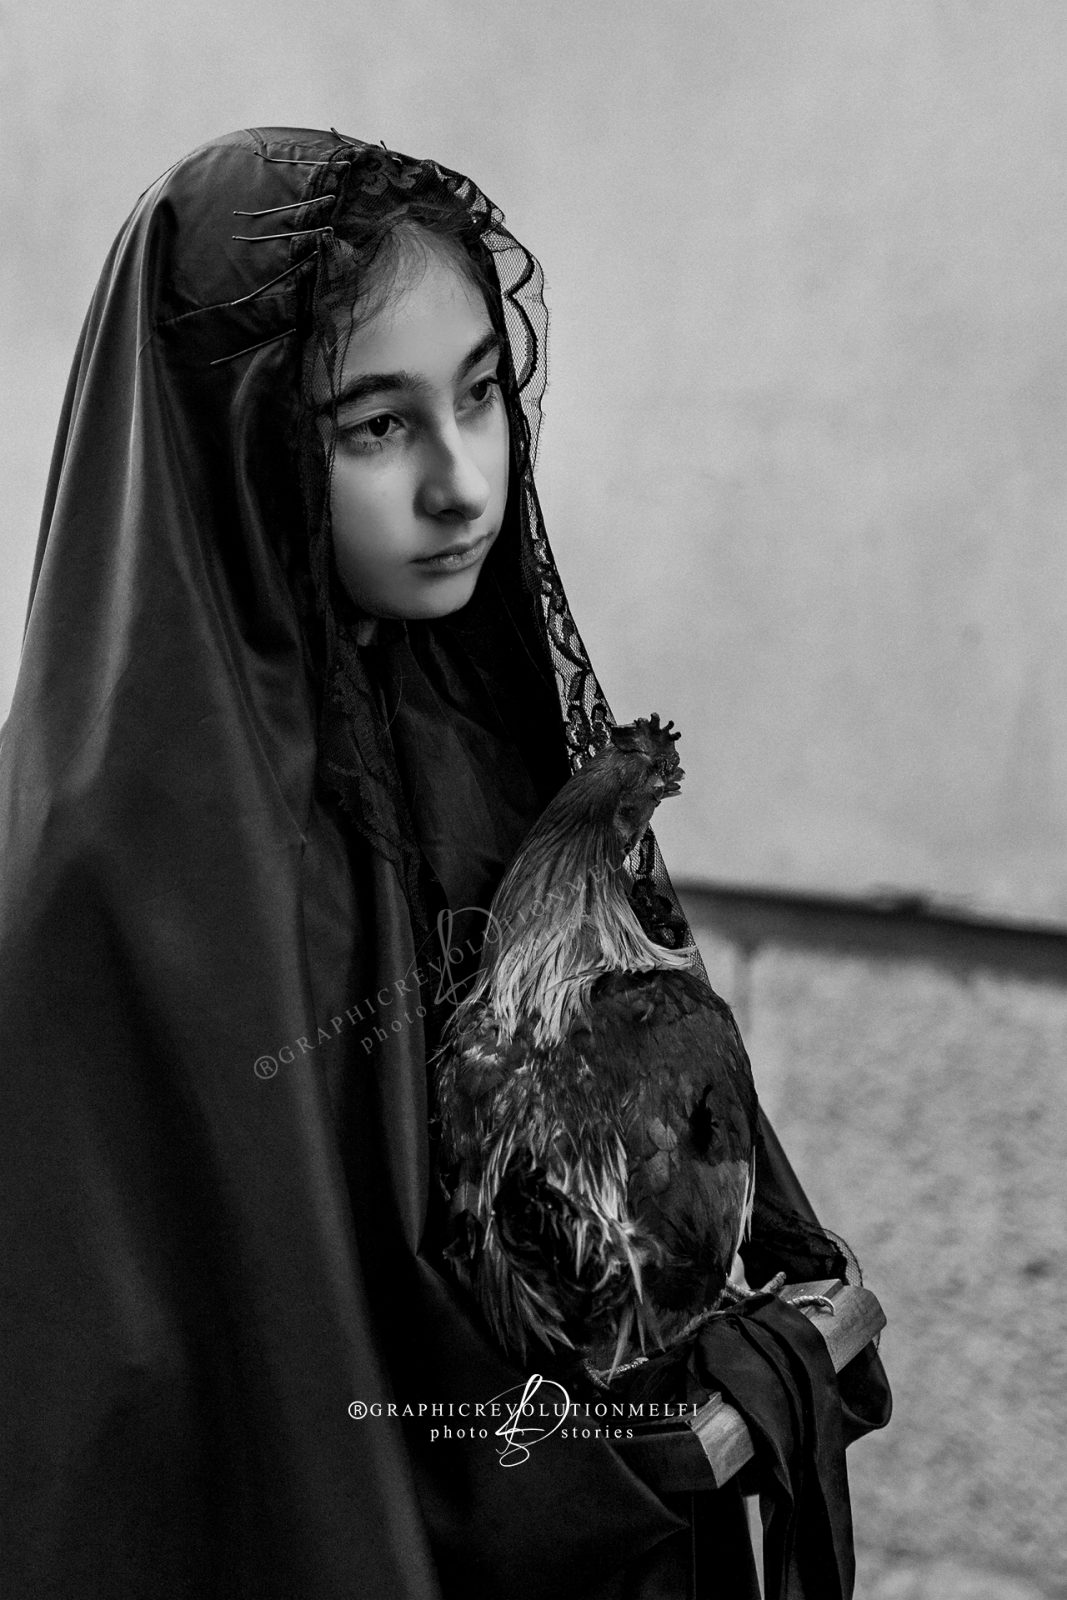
<point>772,1365</point>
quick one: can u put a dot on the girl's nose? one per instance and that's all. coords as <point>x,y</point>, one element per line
<point>453,485</point>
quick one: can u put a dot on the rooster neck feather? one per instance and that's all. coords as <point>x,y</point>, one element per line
<point>561,918</point>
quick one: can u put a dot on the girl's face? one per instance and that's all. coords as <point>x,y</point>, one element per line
<point>420,474</point>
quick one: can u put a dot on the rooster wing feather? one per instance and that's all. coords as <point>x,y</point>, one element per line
<point>603,1181</point>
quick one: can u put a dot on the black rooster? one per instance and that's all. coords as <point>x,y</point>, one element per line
<point>597,1105</point>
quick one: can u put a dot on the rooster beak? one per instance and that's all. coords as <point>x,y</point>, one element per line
<point>665,786</point>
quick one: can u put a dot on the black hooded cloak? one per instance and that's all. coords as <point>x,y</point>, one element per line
<point>230,824</point>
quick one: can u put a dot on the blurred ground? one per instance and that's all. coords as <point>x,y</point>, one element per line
<point>914,1069</point>
<point>906,1579</point>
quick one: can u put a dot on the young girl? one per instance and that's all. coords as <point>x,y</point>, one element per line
<point>298,675</point>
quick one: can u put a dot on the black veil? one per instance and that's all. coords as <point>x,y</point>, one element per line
<point>230,823</point>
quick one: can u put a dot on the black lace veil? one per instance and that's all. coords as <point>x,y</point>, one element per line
<point>356,761</point>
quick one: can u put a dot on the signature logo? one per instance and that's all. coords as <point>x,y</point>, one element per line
<point>527,1423</point>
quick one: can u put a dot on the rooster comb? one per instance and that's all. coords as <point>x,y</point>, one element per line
<point>645,737</point>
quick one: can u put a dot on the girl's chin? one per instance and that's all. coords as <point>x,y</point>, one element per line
<point>447,592</point>
<point>448,595</point>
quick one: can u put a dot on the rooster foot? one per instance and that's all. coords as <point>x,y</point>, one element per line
<point>773,1286</point>
<point>601,1378</point>
<point>731,1294</point>
<point>734,1294</point>
<point>821,1302</point>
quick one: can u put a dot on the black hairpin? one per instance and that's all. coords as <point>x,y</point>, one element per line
<point>290,161</point>
<point>278,276</point>
<point>247,351</point>
<point>293,206</point>
<point>292,233</point>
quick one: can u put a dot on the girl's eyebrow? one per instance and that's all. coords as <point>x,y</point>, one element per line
<point>368,383</point>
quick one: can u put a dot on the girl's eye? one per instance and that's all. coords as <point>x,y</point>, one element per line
<point>372,433</point>
<point>482,392</point>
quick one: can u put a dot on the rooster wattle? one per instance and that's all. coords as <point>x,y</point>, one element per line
<point>597,1106</point>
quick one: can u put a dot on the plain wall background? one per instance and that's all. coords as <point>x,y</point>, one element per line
<point>804,456</point>
<point>803,468</point>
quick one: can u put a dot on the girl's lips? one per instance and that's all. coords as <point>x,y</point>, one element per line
<point>456,558</point>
